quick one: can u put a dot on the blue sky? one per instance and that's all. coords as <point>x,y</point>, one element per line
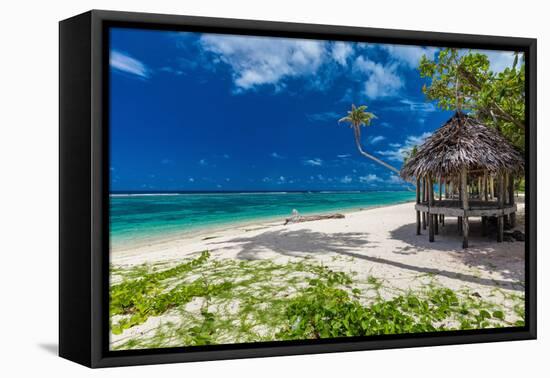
<point>194,111</point>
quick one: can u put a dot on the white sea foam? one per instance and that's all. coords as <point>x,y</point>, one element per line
<point>142,194</point>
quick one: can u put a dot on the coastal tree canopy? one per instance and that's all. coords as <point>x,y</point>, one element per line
<point>466,81</point>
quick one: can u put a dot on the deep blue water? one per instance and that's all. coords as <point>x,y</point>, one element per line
<point>141,217</point>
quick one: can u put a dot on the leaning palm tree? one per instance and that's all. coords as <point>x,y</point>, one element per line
<point>358,117</point>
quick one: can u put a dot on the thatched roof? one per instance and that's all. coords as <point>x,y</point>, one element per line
<point>463,142</point>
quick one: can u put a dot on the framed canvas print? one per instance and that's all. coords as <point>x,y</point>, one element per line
<point>233,188</point>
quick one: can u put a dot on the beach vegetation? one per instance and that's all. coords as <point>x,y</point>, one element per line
<point>410,153</point>
<point>213,301</point>
<point>520,185</point>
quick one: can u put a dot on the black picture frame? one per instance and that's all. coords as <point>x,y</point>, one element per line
<point>84,187</point>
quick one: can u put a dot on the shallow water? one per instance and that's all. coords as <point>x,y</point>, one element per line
<point>136,218</point>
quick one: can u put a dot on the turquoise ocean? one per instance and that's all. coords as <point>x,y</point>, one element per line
<point>145,217</point>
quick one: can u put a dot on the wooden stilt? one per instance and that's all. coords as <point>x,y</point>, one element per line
<point>465,231</point>
<point>512,200</point>
<point>418,201</point>
<point>431,228</point>
<point>424,220</point>
<point>435,220</point>
<point>431,202</point>
<point>500,229</point>
<point>484,226</point>
<point>424,199</point>
<point>460,190</point>
<point>478,188</point>
<point>485,189</point>
<point>460,195</point>
<point>465,206</point>
<point>438,217</point>
<point>505,199</point>
<point>500,221</point>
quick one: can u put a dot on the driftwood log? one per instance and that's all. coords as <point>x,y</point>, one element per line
<point>309,218</point>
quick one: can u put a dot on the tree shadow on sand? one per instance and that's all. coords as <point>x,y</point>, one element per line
<point>300,243</point>
<point>507,258</point>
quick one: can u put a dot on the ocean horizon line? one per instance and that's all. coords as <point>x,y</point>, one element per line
<point>121,193</point>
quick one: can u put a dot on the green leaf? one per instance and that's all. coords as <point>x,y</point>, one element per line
<point>484,314</point>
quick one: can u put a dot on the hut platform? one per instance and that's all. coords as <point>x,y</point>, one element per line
<point>452,208</point>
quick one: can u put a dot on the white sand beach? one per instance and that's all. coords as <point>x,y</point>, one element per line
<point>378,241</point>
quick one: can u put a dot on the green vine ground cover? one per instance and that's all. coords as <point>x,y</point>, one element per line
<point>216,301</point>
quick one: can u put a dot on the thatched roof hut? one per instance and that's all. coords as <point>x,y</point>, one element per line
<point>469,160</point>
<point>463,142</point>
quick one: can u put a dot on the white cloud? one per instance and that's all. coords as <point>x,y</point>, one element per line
<point>323,117</point>
<point>406,105</point>
<point>341,51</point>
<point>369,179</point>
<point>399,151</point>
<point>376,139</point>
<point>202,162</point>
<point>171,70</point>
<point>409,55</point>
<point>282,179</point>
<point>346,179</point>
<point>343,156</point>
<point>191,179</point>
<point>413,140</point>
<point>394,179</point>
<point>259,61</point>
<point>123,62</point>
<point>313,162</point>
<point>499,60</point>
<point>275,155</point>
<point>382,80</point>
<point>426,107</point>
<point>348,96</point>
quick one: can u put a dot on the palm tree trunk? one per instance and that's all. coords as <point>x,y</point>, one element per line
<point>367,155</point>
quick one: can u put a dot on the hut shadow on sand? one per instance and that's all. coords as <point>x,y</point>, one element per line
<point>506,259</point>
<point>304,242</point>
